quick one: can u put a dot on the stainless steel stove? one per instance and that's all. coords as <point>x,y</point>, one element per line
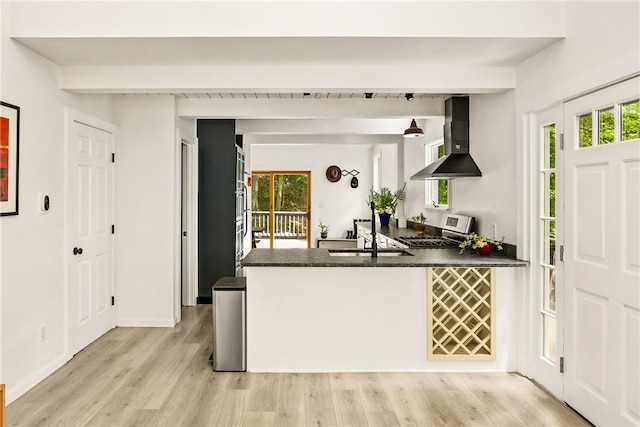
<point>430,242</point>
<point>454,229</point>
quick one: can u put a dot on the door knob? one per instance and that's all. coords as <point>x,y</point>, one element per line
<point>77,251</point>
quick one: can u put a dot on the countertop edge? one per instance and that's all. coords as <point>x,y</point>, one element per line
<point>315,257</point>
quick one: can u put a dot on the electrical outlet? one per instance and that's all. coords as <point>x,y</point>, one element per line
<point>43,333</point>
<point>494,230</point>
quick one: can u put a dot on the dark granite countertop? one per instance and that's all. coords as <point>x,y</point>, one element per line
<point>420,258</point>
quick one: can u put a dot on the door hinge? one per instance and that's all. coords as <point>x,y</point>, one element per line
<point>562,253</point>
<point>562,365</point>
<point>113,300</point>
<point>113,229</point>
<point>113,157</point>
<point>561,136</point>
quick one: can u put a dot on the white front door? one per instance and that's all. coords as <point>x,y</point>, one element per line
<point>602,255</point>
<point>546,339</point>
<point>90,248</point>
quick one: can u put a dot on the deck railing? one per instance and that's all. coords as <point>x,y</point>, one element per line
<point>288,225</point>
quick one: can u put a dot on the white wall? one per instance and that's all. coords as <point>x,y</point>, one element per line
<point>145,214</point>
<point>33,255</point>
<point>389,164</point>
<point>336,203</point>
<point>492,197</point>
<point>602,47</point>
<point>414,160</point>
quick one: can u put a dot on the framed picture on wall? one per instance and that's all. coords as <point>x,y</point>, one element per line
<point>9,139</point>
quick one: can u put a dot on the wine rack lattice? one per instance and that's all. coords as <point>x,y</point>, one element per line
<point>460,313</point>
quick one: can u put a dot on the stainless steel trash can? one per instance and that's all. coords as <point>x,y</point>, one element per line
<point>229,324</point>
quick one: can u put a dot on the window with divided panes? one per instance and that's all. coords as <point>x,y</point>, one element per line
<point>548,241</point>
<point>598,127</point>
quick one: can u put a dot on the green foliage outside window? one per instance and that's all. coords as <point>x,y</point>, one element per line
<point>585,131</point>
<point>630,120</point>
<point>629,125</point>
<point>290,193</point>
<point>443,184</point>
<point>606,122</point>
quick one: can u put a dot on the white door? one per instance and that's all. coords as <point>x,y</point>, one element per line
<point>546,339</point>
<point>184,216</point>
<point>602,255</point>
<point>90,249</point>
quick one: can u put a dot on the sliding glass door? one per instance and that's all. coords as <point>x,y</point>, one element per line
<point>280,204</point>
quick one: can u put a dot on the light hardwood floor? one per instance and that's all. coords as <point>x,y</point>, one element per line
<point>161,377</point>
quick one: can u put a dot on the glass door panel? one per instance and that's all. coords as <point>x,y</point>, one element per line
<point>280,209</point>
<point>548,243</point>
<point>547,304</point>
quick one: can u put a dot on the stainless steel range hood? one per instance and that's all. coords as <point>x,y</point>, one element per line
<point>457,162</point>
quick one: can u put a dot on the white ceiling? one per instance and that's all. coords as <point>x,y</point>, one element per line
<point>463,51</point>
<point>254,57</point>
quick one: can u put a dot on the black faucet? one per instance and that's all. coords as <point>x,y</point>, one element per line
<point>374,239</point>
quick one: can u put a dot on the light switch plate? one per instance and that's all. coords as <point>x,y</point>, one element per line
<point>43,203</point>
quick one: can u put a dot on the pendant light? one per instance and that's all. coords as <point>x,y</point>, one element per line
<point>413,131</point>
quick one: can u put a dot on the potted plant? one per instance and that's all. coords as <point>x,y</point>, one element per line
<point>420,221</point>
<point>324,230</point>
<point>483,245</point>
<point>386,202</point>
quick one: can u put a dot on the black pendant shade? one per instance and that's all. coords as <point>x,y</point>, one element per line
<point>413,131</point>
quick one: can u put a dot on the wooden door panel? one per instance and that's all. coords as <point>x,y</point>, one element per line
<point>630,365</point>
<point>101,194</point>
<point>101,268</point>
<point>82,207</point>
<point>589,214</point>
<point>91,216</point>
<point>631,218</point>
<point>590,340</point>
<point>602,260</point>
<point>84,278</point>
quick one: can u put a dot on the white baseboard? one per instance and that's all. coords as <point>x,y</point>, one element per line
<point>15,392</point>
<point>146,323</point>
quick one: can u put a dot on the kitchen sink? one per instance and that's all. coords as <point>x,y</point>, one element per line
<point>367,253</point>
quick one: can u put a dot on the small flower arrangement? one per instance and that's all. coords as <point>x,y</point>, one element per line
<point>474,241</point>
<point>324,230</point>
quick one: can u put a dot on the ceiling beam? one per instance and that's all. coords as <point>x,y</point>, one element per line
<point>329,127</point>
<point>310,108</point>
<point>320,139</point>
<point>396,78</point>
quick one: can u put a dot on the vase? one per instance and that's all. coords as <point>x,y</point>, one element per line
<point>485,250</point>
<point>420,228</point>
<point>384,218</point>
<point>324,235</point>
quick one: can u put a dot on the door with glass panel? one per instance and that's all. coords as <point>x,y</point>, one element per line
<point>546,341</point>
<point>602,254</point>
<point>280,208</point>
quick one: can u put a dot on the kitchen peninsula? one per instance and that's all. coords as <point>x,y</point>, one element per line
<point>309,310</point>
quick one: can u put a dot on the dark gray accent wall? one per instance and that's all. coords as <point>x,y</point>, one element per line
<point>216,202</point>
